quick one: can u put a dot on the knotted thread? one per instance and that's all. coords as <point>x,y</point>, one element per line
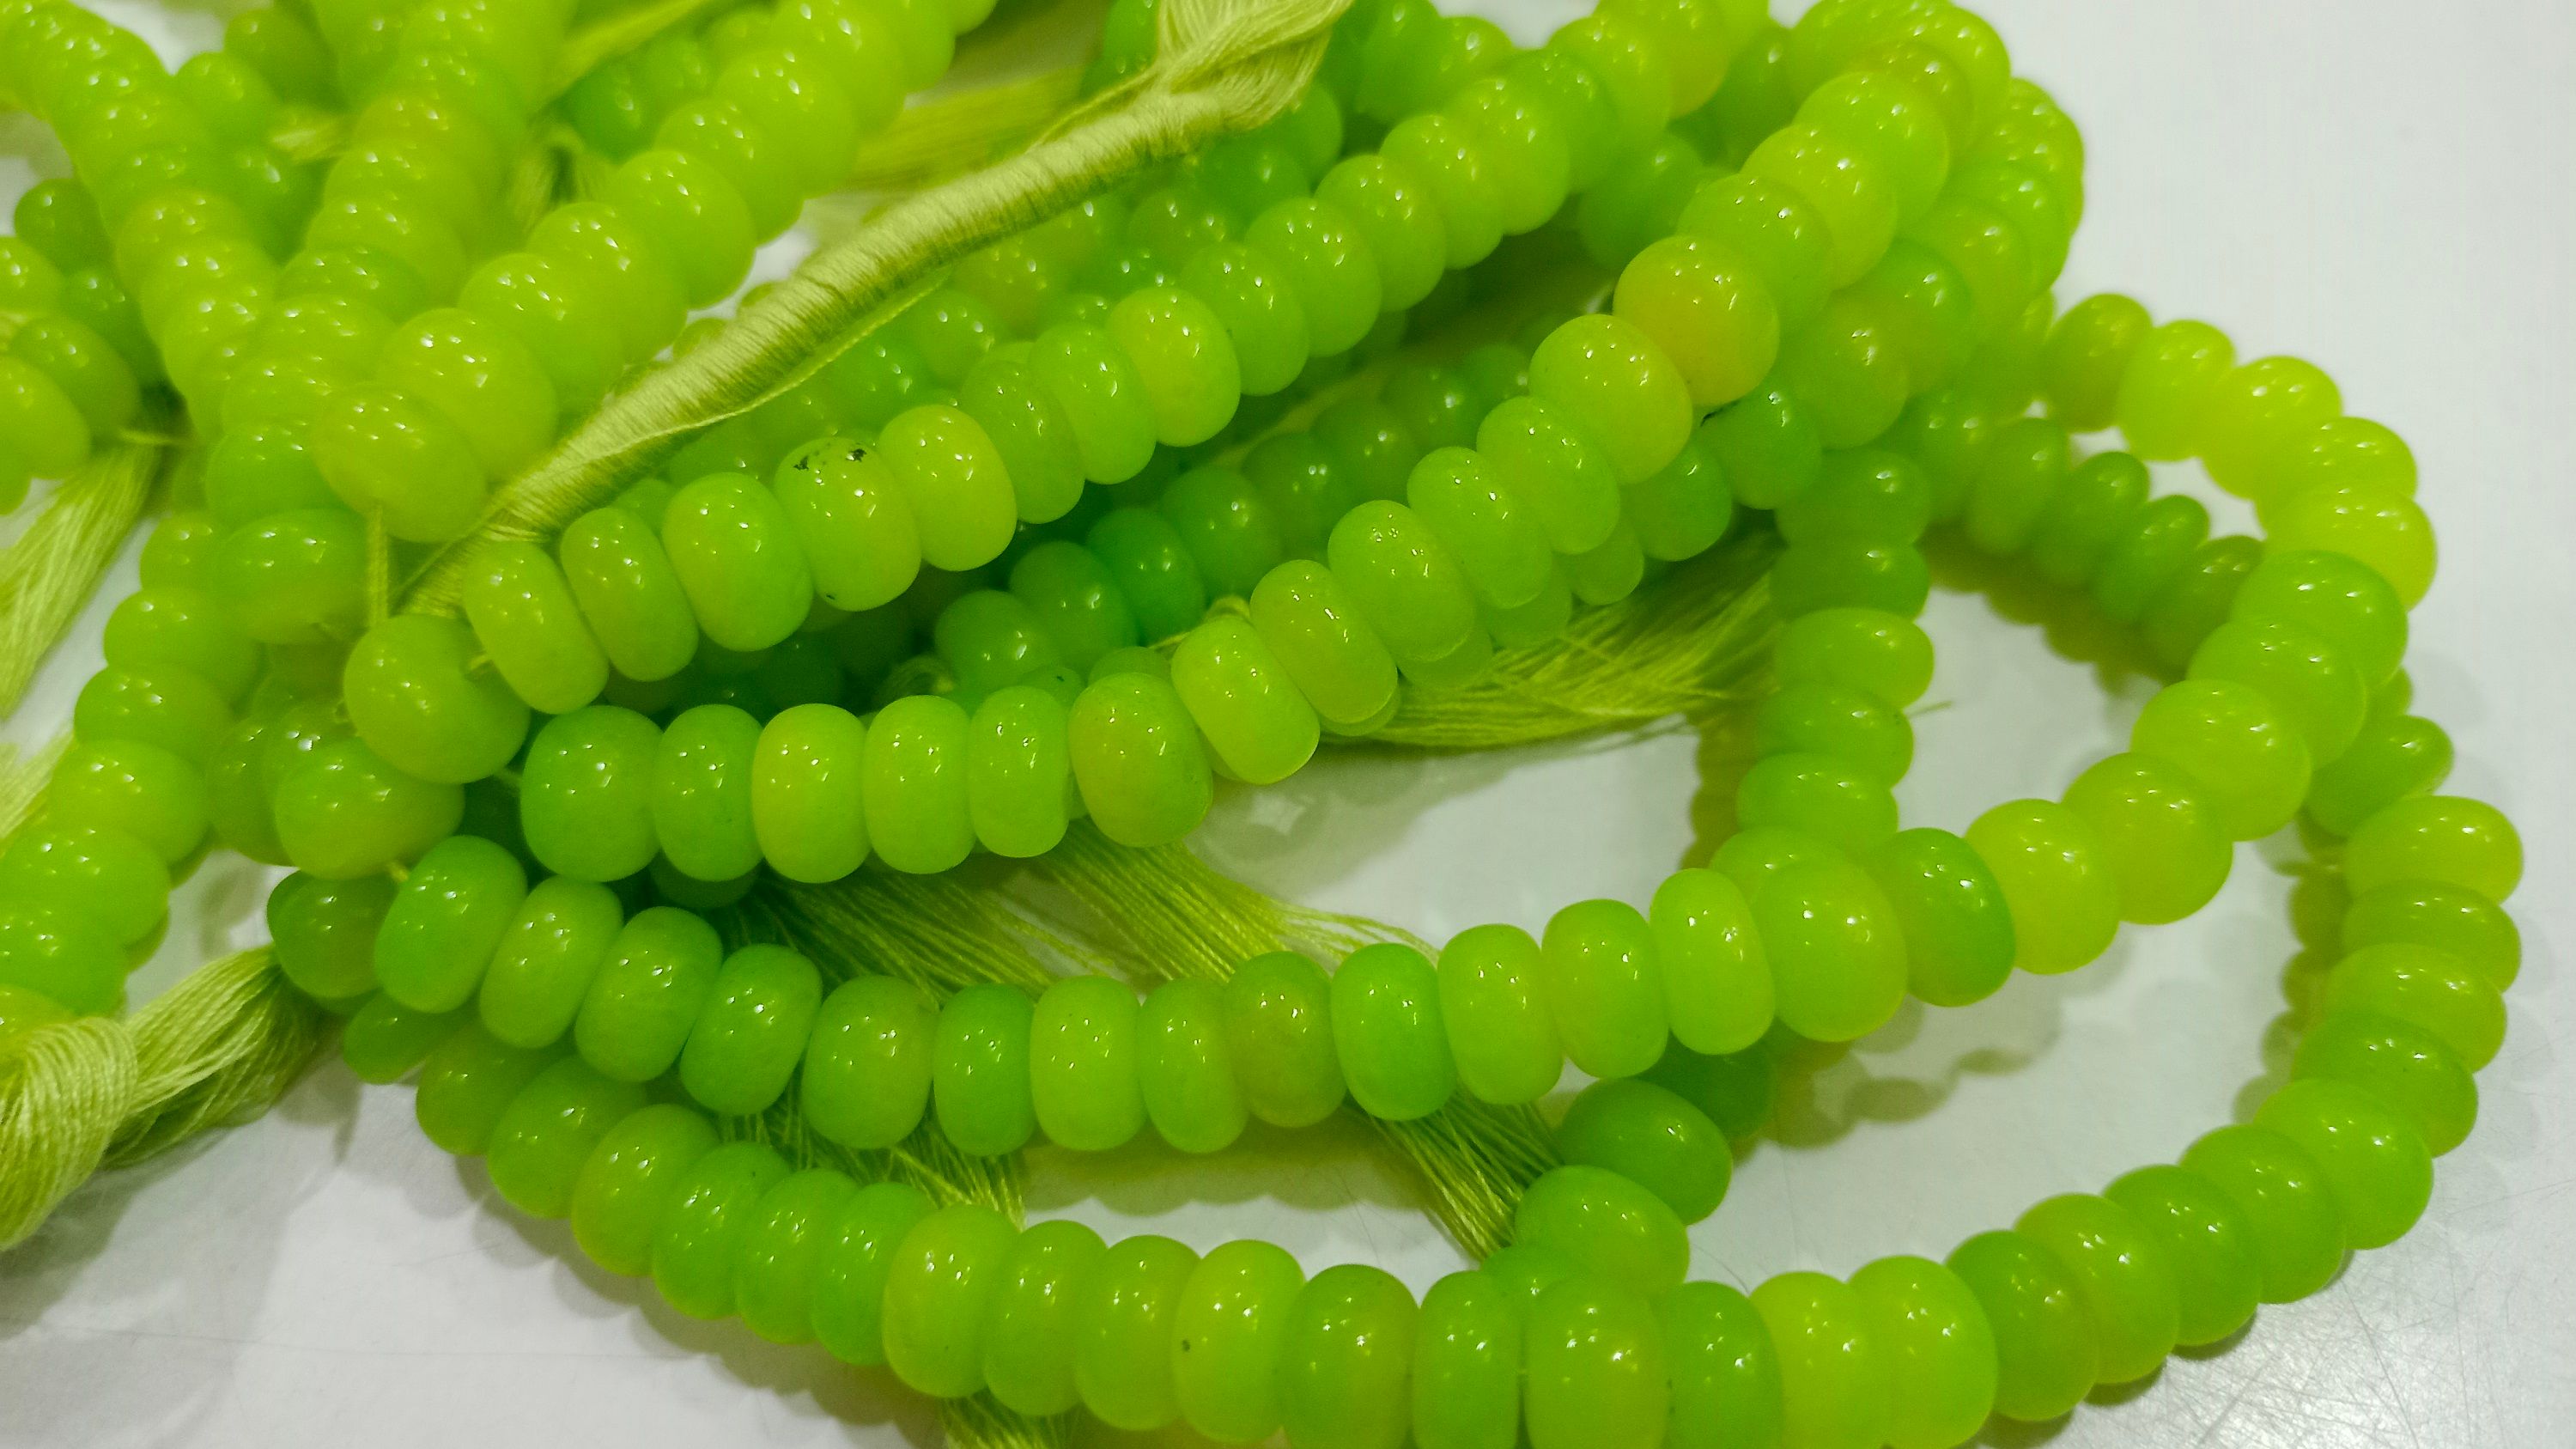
<point>1224,66</point>
<point>104,1092</point>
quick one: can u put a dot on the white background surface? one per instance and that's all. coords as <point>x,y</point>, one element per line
<point>2381,187</point>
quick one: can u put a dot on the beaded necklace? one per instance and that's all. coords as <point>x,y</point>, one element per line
<point>1876,272</point>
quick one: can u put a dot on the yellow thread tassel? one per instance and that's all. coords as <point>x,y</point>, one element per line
<point>46,577</point>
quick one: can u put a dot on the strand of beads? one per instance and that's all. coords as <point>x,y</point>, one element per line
<point>65,389</point>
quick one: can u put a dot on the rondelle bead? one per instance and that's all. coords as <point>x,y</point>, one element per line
<point>914,784</point>
<point>751,1033</point>
<point>1727,1388</point>
<point>1717,977</point>
<point>2164,853</point>
<point>2046,1354</point>
<point>1122,1364</point>
<point>549,1131</point>
<point>525,617</point>
<point>867,1068</point>
<point>1819,795</point>
<point>1229,1329</point>
<point>2129,1290</point>
<point>629,593</point>
<point>1545,457</point>
<point>1836,950</point>
<point>2206,1247</point>
<point>1594,1368</point>
<point>2446,917</point>
<point>1467,1352</point>
<point>1608,1225</point>
<point>1244,700</point>
<point>1497,540</point>
<point>645,996</point>
<point>2374,1160</point>
<point>776,1257</point>
<point>467,1083</point>
<point>2394,757</point>
<point>2291,1217</point>
<point>941,1278</point>
<point>1937,1350</point>
<point>2398,1063</point>
<point>1616,384</point>
<point>1878,653</point>
<point>139,789</point>
<point>1137,760</point>
<point>323,933</point>
<point>586,792</point>
<point>2373,523</point>
<point>1032,1314</point>
<point>807,796</point>
<point>733,548</point>
<point>1835,1385</point>
<point>2049,863</point>
<point>1346,1359</point>
<point>542,966</point>
<point>1083,1063</point>
<point>1651,1137</point>
<point>702,787</point>
<point>1313,629</point>
<point>65,961</point>
<point>2233,742</point>
<point>421,694</point>
<point>104,878</point>
<point>2172,381</point>
<point>849,1284</point>
<point>446,921</point>
<point>343,812</point>
<point>1184,1070</point>
<point>710,1210</point>
<point>1388,1031</point>
<point>1279,1034</point>
<point>2424,987</point>
<point>2436,839</point>
<point>1600,971</point>
<point>2088,354</point>
<point>1707,311</point>
<point>1502,1032</point>
<point>627,1183</point>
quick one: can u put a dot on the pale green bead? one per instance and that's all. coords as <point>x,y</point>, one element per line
<point>2048,860</point>
<point>1180,350</point>
<point>1314,630</point>
<point>1607,1225</point>
<point>1031,1316</point>
<point>947,471</point>
<point>852,518</point>
<point>942,1274</point>
<point>1595,1369</point>
<point>1604,979</point>
<point>1939,1353</point>
<point>1185,1073</point>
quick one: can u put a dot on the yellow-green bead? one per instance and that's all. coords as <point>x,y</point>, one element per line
<point>636,1016</point>
<point>735,553</point>
<point>867,1069</point>
<point>1707,311</point>
<point>2172,379</point>
<point>1595,1369</point>
<point>2206,1246</point>
<point>942,1275</point>
<point>1881,654</point>
<point>2436,839</point>
<point>1820,795</point>
<point>2147,552</point>
<point>2395,756</point>
<point>624,583</point>
<point>2046,1355</point>
<point>1854,196</point>
<point>1600,971</point>
<point>775,1259</point>
<point>751,1034</point>
<point>1346,1360</point>
<point>1184,1071</point>
<point>525,617</point>
<point>2049,862</point>
<point>1279,1034</point>
<point>140,789</point>
<point>628,1182</point>
<point>2373,1159</point>
<point>807,793</point>
<point>2028,466</point>
<point>1083,1056</point>
<point>1123,1332</point>
<point>714,1205</point>
<point>914,784</point>
<point>1497,539</point>
<point>1938,1352</point>
<point>1466,1365</point>
<point>1502,1033</point>
<point>2445,917</point>
<point>1137,760</point>
<point>1388,1032</point>
<point>549,1131</point>
<point>543,966</point>
<point>1228,1330</point>
<point>585,796</point>
<point>1395,211</point>
<point>1243,700</point>
<point>446,921</point>
<point>2129,1291</point>
<point>1727,1389</point>
<point>1959,938</point>
<point>702,788</point>
<point>2308,676</point>
<point>1717,978</point>
<point>1836,949</point>
<point>1030,1318</point>
<point>857,1256</point>
<point>1608,1225</point>
<point>2424,987</point>
<point>2233,742</point>
<point>850,516</point>
<point>1313,629</point>
<point>2088,354</point>
<point>1835,1385</point>
<point>1018,764</point>
<point>1615,383</point>
<point>1182,354</point>
<point>1545,457</point>
<point>467,1083</point>
<point>1652,1137</point>
<point>2292,1221</point>
<point>2164,853</point>
<point>343,812</point>
<point>947,471</point>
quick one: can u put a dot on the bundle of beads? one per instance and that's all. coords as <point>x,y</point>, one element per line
<point>517,828</point>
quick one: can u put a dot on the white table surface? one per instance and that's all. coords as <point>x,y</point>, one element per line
<point>2370,184</point>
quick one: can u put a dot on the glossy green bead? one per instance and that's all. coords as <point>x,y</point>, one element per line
<point>2400,1064</point>
<point>1389,1033</point>
<point>256,471</point>
<point>105,878</point>
<point>297,577</point>
<point>2394,757</point>
<point>2334,597</point>
<point>2235,744</point>
<point>2445,917</point>
<point>526,620</point>
<point>1279,1035</point>
<point>467,1084</point>
<point>1935,1346</point>
<point>1084,1053</point>
<point>1820,795</point>
<point>1608,1225</point>
<point>1834,943</point>
<point>1229,1327</point>
<point>1717,976</point>
<point>1122,1363</point>
<point>2308,676</point>
<point>2129,1290</point>
<point>2206,1247</point>
<point>1682,511</point>
<point>1603,981</point>
<point>1446,161</point>
<point>849,1284</point>
<point>1137,760</point>
<point>446,922</point>
<point>1959,937</point>
<point>586,793</point>
<point>565,320</point>
<point>2049,863</point>
<point>2373,1159</point>
<point>732,547</point>
<point>751,1033</point>
<point>1076,601</point>
<point>1528,146</point>
<point>2147,552</point>
<point>1320,252</point>
<point>1313,630</point>
<point>867,1067</point>
<point>2291,1217</point>
<point>1727,1390</point>
<point>847,512</point>
<point>542,966</point>
<point>1498,541</point>
<point>2158,842</point>
<point>2030,464</point>
<point>1502,1036</point>
<point>2088,356</point>
<point>2426,987</point>
<point>1595,1368</point>
<point>480,379</point>
<point>1467,1356</point>
<point>691,215</point>
<point>421,694</point>
<point>2074,532</point>
<point>1345,1360</point>
<point>65,961</point>
<point>915,784</point>
<point>1546,457</point>
<point>1018,763</point>
<point>2254,411</point>
<point>1653,1138</point>
<point>1244,700</point>
<point>139,789</point>
<point>2436,839</point>
<point>1397,212</point>
<point>2170,383</point>
<point>1640,199</point>
<point>1151,566</point>
<point>171,708</point>
<point>1185,358</point>
<point>776,1257</point>
<point>1032,1313</point>
<point>947,471</point>
<point>383,1040</point>
<point>1880,654</point>
<point>324,933</point>
<point>2183,611</point>
<point>941,1278</point>
<point>1090,378</point>
<point>1842,573</point>
<point>645,996</point>
<point>1854,195</point>
<point>2047,1356</point>
<point>1261,317</point>
<point>1835,1384</point>
<point>59,219</point>
<point>1615,383</point>
<point>548,1132</point>
<point>979,1070</point>
<point>1780,239</point>
<point>710,1210</point>
<point>1031,433</point>
<point>1184,1070</point>
<point>344,812</point>
<point>703,774</point>
<point>807,793</point>
<point>617,258</point>
<point>629,592</point>
<point>84,367</point>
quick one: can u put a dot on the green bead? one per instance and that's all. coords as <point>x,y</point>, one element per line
<point>1877,653</point>
<point>1225,526</point>
<point>1727,1389</point>
<point>1834,1379</point>
<point>2030,465</point>
<point>2291,1218</point>
<point>2399,1063</point>
<point>1595,1368</point>
<point>549,1131</point>
<point>2435,839</point>
<point>542,966</point>
<point>2425,987</point>
<point>2254,412</point>
<point>732,546</point>
<point>1820,795</point>
<point>1229,1328</point>
<point>1641,199</point>
<point>979,1070</point>
<point>106,879</point>
<point>2307,675</point>
<point>446,923</point>
<point>1708,311</point>
<point>2088,355</point>
<point>343,812</point>
<point>383,1040</point>
<point>1467,1352</point>
<point>1544,456</point>
<point>1137,760</point>
<point>2182,611</point>
<point>915,784</point>
<point>1032,1314</point>
<point>867,1067</point>
<point>1608,1225</point>
<point>776,1256</point>
<point>947,472</point>
<point>1613,382</point>
<point>2129,1290</point>
<point>2336,597</point>
<point>941,1278</point>
<point>627,1185</point>
<point>1854,195</point>
<point>1345,1360</point>
<point>1651,1137</point>
<point>2205,1244</point>
<point>62,960</point>
<point>2147,552</point>
<point>2394,757</point>
<point>849,1286</point>
<point>702,792</point>
<point>174,709</point>
<point>1836,949</point>
<point>524,616</point>
<point>324,932</point>
<point>1863,496</point>
<point>136,789</point>
<point>1404,584</point>
<point>752,1031</point>
<point>1102,396</point>
<point>2170,384</point>
<point>1397,211</point>
<point>2445,917</point>
<point>807,804</point>
<point>421,695</point>
<point>2074,533</point>
<point>1083,1059</point>
<point>586,793</point>
<point>1076,601</point>
<point>710,1210</point>
<point>1151,566</point>
<point>1959,938</point>
<point>1938,1352</point>
<point>1183,1070</point>
<point>2373,1159</point>
<point>1388,1032</point>
<point>466,1085</point>
<point>1717,977</point>
<point>1018,765</point>
<point>1279,1034</point>
<point>1244,700</point>
<point>2235,744</point>
<point>2050,864</point>
<point>2164,853</point>
<point>1498,541</point>
<point>1599,969</point>
<point>847,511</point>
<point>1502,1034</point>
<point>1780,238</point>
<point>1122,1363</point>
<point>627,590</point>
<point>636,1016</point>
<point>1031,432</point>
<point>1182,354</point>
<point>2046,1353</point>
